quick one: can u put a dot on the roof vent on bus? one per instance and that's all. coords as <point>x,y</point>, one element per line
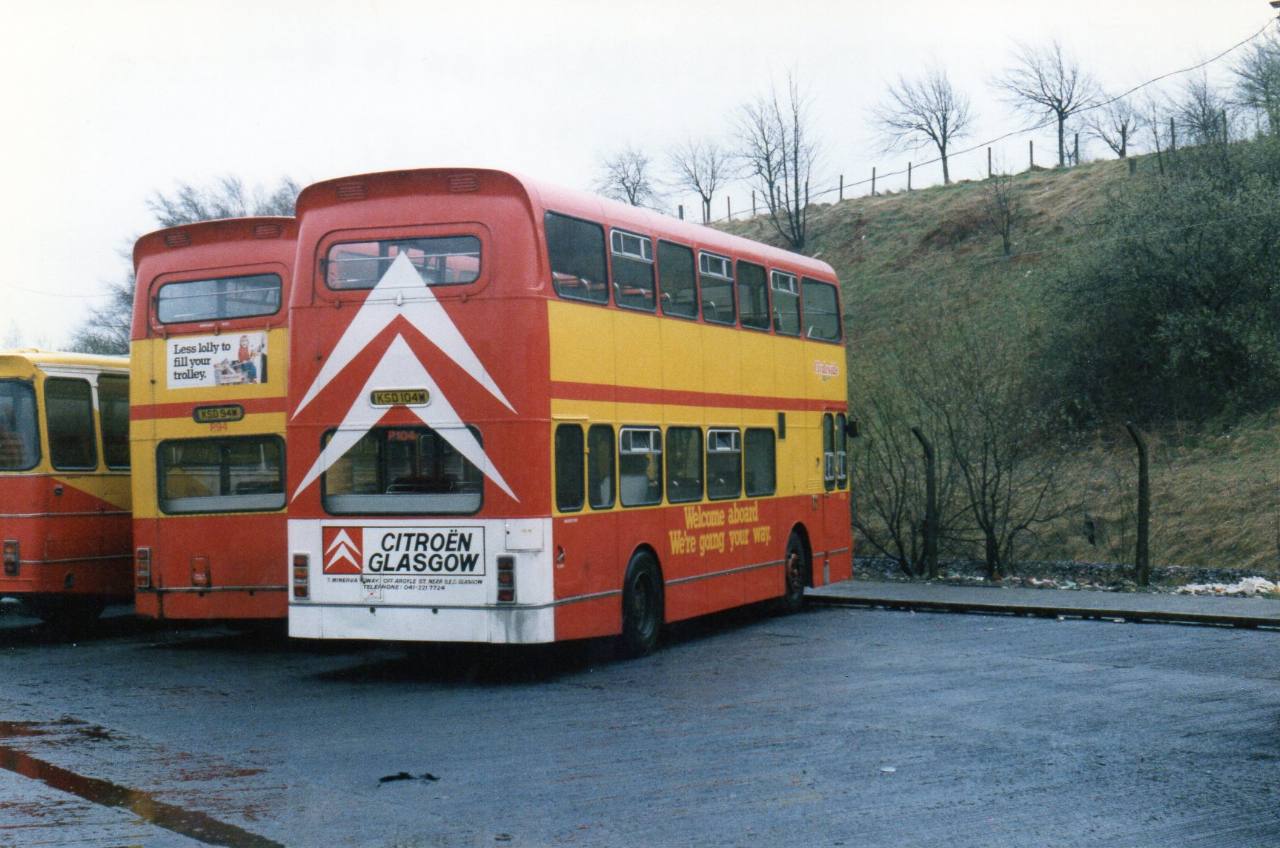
<point>266,231</point>
<point>350,191</point>
<point>459,183</point>
<point>179,239</point>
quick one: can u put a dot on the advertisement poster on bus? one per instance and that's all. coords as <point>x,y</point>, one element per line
<point>198,362</point>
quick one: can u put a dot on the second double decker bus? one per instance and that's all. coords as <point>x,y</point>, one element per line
<point>521,414</point>
<point>64,482</point>
<point>210,361</point>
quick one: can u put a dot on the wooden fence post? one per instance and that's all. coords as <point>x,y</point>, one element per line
<point>1076,153</point>
<point>1173,137</point>
<point>989,173</point>
<point>681,208</point>
<point>931,528</point>
<point>1142,558</point>
<point>842,186</point>
<point>1031,151</point>
<point>753,203</point>
<point>873,181</point>
<point>728,206</point>
<point>908,176</point>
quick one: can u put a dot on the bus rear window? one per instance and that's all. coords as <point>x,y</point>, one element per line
<point>403,470</point>
<point>448,261</point>
<point>241,474</point>
<point>220,298</point>
<point>19,436</point>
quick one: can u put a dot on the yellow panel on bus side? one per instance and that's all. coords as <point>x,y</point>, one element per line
<point>582,348</point>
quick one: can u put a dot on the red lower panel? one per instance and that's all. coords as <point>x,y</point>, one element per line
<point>713,556</point>
<point>240,557</point>
<point>226,605</point>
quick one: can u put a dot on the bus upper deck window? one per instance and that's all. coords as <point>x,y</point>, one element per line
<point>218,299</point>
<point>446,261</point>
<point>576,251</point>
<point>821,311</point>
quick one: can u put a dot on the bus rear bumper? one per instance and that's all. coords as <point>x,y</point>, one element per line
<point>507,625</point>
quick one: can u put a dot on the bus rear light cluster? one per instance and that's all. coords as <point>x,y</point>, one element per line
<point>506,580</point>
<point>301,576</point>
<point>200,577</point>
<point>11,558</point>
<point>142,568</point>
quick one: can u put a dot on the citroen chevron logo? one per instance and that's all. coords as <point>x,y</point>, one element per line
<point>341,554</point>
<point>400,367</point>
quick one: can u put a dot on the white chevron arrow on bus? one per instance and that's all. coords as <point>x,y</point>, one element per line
<point>419,306</point>
<point>399,366</point>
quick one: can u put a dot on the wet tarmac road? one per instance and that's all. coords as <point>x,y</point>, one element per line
<point>833,727</point>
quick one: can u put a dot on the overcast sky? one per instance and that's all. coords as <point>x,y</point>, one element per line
<point>110,101</point>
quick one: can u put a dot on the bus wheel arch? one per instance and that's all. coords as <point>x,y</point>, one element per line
<point>642,603</point>
<point>797,569</point>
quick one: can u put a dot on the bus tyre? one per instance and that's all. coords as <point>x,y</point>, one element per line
<point>796,575</point>
<point>641,606</point>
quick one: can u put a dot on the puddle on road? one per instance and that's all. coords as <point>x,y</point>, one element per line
<point>189,823</point>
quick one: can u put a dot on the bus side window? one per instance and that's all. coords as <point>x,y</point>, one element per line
<point>718,302</point>
<point>569,459</point>
<point>677,283</point>
<point>640,465</point>
<point>753,296</point>
<point>576,251</point>
<point>69,406</point>
<point>601,463</point>
<point>724,464</point>
<point>113,411</point>
<point>842,452</point>
<point>821,311</point>
<point>759,460</point>
<point>632,270</point>
<point>684,464</point>
<point>828,452</point>
<point>786,303</point>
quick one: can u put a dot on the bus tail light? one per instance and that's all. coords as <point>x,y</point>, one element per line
<point>11,558</point>
<point>506,580</point>
<point>200,577</point>
<point>142,568</point>
<point>301,576</point>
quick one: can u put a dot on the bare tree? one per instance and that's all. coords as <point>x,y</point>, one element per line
<point>701,167</point>
<point>778,153</point>
<point>994,432</point>
<point>1003,208</point>
<point>226,198</point>
<point>1258,80</point>
<point>107,328</point>
<point>1046,81</point>
<point>626,176</point>
<point>1114,125</point>
<point>925,111</point>
<point>1202,113</point>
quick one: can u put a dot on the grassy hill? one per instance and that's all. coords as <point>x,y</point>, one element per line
<point>908,261</point>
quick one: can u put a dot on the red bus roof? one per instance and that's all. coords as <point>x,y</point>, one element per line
<point>545,197</point>
<point>220,231</point>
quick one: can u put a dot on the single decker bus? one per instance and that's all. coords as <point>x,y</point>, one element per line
<point>210,364</point>
<point>64,482</point>
<point>520,414</point>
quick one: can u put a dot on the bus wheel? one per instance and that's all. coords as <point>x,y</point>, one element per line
<point>641,606</point>
<point>796,571</point>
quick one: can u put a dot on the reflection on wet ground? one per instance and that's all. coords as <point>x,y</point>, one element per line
<point>65,731</point>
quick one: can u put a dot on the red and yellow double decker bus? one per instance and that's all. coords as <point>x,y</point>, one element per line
<point>64,482</point>
<point>521,414</point>
<point>209,360</point>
